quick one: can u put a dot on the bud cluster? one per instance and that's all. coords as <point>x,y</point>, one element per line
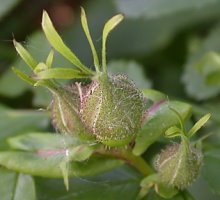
<point>109,109</point>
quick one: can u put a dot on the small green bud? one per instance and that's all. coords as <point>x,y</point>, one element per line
<point>179,164</point>
<point>112,109</point>
<point>65,112</point>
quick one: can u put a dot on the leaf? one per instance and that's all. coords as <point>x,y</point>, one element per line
<point>198,125</point>
<point>58,44</point>
<point>165,118</point>
<point>156,8</point>
<point>86,30</point>
<point>16,186</point>
<point>6,6</point>
<point>201,190</point>
<point>182,195</point>
<point>210,170</point>
<point>209,67</point>
<point>78,153</point>
<point>155,15</point>
<point>48,166</point>
<point>17,122</point>
<point>25,55</point>
<point>121,183</point>
<point>196,84</point>
<point>109,26</point>
<point>154,95</point>
<point>131,68</point>
<point>41,141</point>
<point>61,73</point>
<point>81,152</point>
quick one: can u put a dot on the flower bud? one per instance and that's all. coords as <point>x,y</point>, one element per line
<point>112,109</point>
<point>65,113</point>
<point>179,164</point>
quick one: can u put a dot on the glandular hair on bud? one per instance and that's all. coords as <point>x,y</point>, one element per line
<point>65,113</point>
<point>179,164</point>
<point>112,109</point>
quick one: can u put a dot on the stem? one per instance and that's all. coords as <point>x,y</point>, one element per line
<point>104,67</point>
<point>136,161</point>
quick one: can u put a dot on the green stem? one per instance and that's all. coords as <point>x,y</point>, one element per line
<point>126,155</point>
<point>104,66</point>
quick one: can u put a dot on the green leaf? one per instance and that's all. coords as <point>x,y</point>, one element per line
<point>164,117</point>
<point>86,30</point>
<point>121,183</point>
<point>81,152</point>
<point>209,63</point>
<point>23,76</point>
<point>16,186</point>
<point>64,167</point>
<point>18,122</point>
<point>154,95</point>
<point>209,67</point>
<point>157,8</point>
<point>61,73</point>
<point>48,166</point>
<point>58,44</point>
<point>42,141</point>
<point>109,26</point>
<point>49,60</point>
<point>213,78</point>
<point>132,69</point>
<point>210,170</point>
<point>6,6</point>
<point>198,125</point>
<point>196,84</point>
<point>25,55</point>
<point>78,153</point>
<point>182,195</point>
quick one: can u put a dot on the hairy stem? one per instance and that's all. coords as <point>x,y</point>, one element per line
<point>126,155</point>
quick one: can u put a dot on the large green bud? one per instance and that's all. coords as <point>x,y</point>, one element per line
<point>65,112</point>
<point>112,109</point>
<point>179,164</point>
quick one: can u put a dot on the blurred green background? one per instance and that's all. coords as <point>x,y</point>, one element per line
<point>168,45</point>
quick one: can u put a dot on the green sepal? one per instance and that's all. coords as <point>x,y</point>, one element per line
<point>173,131</point>
<point>109,26</point>
<point>161,189</point>
<point>58,44</point>
<point>64,167</point>
<point>89,38</point>
<point>198,125</point>
<point>25,55</point>
<point>23,76</point>
<point>49,60</point>
<point>61,73</point>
